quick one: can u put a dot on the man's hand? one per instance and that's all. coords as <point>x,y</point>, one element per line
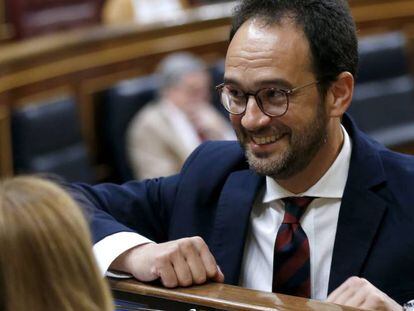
<point>359,293</point>
<point>177,263</point>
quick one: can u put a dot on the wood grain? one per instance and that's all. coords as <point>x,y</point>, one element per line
<point>226,297</point>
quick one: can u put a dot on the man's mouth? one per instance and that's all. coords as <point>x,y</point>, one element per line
<point>264,140</point>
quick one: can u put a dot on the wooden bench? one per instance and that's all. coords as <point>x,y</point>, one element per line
<point>212,296</point>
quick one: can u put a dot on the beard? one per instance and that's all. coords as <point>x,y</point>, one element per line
<point>302,148</point>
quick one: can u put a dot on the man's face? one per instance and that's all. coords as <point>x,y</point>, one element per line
<point>276,56</point>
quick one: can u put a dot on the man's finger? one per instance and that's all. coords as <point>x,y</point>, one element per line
<point>196,265</point>
<point>168,276</point>
<point>206,256</point>
<point>338,292</point>
<point>335,294</point>
<point>355,298</point>
<point>181,268</point>
<point>219,277</point>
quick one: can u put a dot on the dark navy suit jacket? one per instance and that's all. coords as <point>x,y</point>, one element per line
<point>214,193</point>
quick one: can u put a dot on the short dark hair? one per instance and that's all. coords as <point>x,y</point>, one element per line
<point>327,24</point>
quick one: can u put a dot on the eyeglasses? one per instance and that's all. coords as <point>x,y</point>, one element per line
<point>273,102</point>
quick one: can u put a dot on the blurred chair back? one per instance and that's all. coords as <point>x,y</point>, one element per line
<point>120,105</point>
<point>47,139</point>
<point>385,110</point>
<point>382,57</point>
<point>383,102</point>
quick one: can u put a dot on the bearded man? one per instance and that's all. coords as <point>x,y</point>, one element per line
<point>305,204</point>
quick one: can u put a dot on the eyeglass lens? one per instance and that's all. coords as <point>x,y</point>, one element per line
<point>271,101</point>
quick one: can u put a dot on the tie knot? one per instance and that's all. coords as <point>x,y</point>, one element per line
<point>294,208</point>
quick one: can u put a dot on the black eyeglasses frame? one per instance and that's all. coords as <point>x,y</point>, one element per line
<point>286,93</point>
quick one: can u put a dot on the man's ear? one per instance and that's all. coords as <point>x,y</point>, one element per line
<point>339,95</point>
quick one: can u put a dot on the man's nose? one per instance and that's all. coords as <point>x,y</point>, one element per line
<point>254,118</point>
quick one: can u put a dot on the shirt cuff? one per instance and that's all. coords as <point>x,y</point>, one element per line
<point>110,247</point>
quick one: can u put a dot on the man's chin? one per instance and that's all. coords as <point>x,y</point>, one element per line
<point>262,156</point>
<point>257,153</point>
<point>264,164</point>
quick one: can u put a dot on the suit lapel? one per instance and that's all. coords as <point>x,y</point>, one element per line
<point>362,209</point>
<point>232,219</point>
<point>359,219</point>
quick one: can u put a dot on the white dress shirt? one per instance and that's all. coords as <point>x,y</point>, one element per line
<point>319,223</point>
<point>110,247</point>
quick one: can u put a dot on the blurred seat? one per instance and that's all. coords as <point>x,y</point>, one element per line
<point>120,104</point>
<point>382,57</point>
<point>47,139</point>
<point>385,110</point>
<point>383,101</point>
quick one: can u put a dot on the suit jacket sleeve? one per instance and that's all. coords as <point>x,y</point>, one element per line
<point>142,207</point>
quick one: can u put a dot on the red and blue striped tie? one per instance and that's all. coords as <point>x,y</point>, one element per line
<point>291,261</point>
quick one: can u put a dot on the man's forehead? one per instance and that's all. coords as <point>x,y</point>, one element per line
<point>255,37</point>
<point>268,49</point>
<point>257,28</point>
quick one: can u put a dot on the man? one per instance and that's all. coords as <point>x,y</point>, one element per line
<point>166,131</point>
<point>289,77</point>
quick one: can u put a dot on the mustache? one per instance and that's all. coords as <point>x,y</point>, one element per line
<point>268,131</point>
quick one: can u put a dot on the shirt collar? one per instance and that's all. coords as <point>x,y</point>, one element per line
<point>331,185</point>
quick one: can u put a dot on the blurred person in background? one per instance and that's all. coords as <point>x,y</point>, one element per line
<point>46,261</point>
<point>166,131</point>
<point>141,11</point>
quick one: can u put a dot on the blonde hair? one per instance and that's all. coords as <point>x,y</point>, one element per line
<point>46,260</point>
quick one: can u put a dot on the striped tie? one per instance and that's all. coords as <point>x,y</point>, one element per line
<point>291,268</point>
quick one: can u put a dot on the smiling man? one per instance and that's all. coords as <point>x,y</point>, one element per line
<point>284,126</point>
<point>305,204</point>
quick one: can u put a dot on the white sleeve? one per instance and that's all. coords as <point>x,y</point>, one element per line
<point>110,247</point>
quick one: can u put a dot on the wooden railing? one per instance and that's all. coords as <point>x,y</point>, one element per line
<point>83,63</point>
<point>374,16</point>
<point>212,296</point>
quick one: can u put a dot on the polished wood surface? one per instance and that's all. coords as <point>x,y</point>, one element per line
<point>225,297</point>
<point>373,16</point>
<point>83,63</point>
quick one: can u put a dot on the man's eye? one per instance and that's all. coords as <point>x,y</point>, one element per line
<point>236,93</point>
<point>272,93</point>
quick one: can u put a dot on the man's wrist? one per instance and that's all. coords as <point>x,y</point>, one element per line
<point>110,247</point>
<point>124,261</point>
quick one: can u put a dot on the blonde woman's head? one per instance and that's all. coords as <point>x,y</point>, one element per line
<point>46,261</point>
